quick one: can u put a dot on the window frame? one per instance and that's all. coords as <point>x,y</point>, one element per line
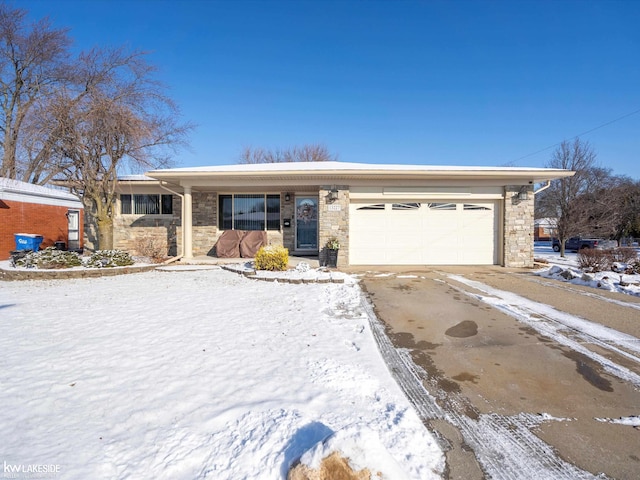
<point>128,205</point>
<point>275,225</point>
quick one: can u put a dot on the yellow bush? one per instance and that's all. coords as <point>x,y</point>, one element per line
<point>272,257</point>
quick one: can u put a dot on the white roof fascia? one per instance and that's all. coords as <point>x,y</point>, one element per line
<point>340,170</point>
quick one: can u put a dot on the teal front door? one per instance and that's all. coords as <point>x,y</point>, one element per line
<point>307,223</point>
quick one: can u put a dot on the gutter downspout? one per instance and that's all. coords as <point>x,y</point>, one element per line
<point>175,259</point>
<point>543,188</point>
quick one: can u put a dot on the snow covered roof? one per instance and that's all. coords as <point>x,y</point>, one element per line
<point>337,171</point>
<point>19,191</point>
<point>339,167</point>
<point>136,178</point>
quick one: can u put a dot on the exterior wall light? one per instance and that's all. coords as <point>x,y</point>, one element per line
<point>287,197</point>
<point>332,196</point>
<point>523,194</point>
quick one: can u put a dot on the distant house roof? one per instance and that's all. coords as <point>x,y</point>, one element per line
<point>546,222</point>
<point>15,190</point>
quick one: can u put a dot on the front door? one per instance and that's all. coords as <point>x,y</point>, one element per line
<point>307,223</point>
<point>73,217</point>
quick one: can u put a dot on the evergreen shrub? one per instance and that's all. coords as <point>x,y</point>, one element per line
<point>272,257</point>
<point>109,258</point>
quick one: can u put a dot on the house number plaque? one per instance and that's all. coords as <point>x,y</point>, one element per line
<point>334,208</point>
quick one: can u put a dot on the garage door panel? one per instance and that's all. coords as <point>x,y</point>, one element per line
<point>438,233</point>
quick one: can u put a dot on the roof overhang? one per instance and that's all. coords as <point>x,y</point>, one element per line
<point>321,173</point>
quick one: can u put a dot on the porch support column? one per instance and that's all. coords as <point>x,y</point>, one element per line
<point>187,223</point>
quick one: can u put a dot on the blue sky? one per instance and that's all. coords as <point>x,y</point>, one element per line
<point>419,82</point>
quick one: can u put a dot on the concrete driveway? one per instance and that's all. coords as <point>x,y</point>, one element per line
<point>514,372</point>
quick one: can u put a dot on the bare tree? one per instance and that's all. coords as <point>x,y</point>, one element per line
<point>626,195</point>
<point>306,153</point>
<point>115,118</point>
<point>32,63</point>
<point>562,199</point>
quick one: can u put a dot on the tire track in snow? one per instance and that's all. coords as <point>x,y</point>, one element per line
<point>554,324</point>
<point>504,446</point>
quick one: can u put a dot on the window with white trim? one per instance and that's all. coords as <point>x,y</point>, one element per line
<point>405,206</point>
<point>249,212</point>
<point>376,206</point>
<point>471,206</point>
<point>148,204</point>
<point>442,206</point>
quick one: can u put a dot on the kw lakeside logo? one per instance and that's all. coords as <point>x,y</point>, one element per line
<point>36,470</point>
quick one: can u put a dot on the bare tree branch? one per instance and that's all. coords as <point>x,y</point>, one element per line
<point>306,153</point>
<point>115,118</point>
<point>32,64</point>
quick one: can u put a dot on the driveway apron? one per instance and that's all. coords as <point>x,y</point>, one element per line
<point>516,374</point>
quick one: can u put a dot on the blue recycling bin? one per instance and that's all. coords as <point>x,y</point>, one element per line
<point>28,241</point>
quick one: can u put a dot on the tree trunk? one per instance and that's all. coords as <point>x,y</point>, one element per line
<point>105,233</point>
<point>9,160</point>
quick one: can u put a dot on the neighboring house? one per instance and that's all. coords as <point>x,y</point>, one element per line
<point>34,209</point>
<point>544,229</point>
<point>381,214</point>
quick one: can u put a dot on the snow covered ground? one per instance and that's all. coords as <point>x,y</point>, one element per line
<point>615,282</point>
<point>207,374</point>
<point>196,374</point>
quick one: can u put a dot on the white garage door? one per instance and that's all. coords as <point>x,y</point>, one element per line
<point>423,233</point>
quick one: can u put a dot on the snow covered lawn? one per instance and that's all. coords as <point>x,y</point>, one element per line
<point>196,374</point>
<point>614,282</point>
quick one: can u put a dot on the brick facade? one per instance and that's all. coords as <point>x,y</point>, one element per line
<point>50,221</point>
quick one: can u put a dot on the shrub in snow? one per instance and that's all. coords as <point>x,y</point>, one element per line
<point>50,258</point>
<point>633,268</point>
<point>152,247</point>
<point>272,257</point>
<point>594,260</point>
<point>624,255</point>
<point>109,258</point>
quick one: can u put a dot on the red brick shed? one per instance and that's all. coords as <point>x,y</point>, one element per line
<point>33,209</point>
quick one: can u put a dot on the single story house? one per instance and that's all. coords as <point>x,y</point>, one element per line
<point>544,229</point>
<point>381,214</point>
<point>33,209</point>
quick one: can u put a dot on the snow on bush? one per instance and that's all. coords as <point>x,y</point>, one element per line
<point>50,258</point>
<point>272,257</point>
<point>109,258</point>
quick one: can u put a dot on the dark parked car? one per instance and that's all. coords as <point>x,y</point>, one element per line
<point>575,244</point>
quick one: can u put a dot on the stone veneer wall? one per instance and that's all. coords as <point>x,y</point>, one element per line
<point>333,221</point>
<point>129,229</point>
<point>518,228</point>
<point>287,212</point>
<point>205,224</point>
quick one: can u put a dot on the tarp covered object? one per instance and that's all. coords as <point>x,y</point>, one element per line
<point>240,243</point>
<point>251,243</point>
<point>228,245</point>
